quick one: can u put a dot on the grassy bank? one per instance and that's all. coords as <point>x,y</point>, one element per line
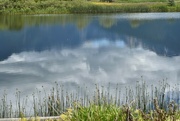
<point>82,6</point>
<point>125,113</point>
<point>104,103</point>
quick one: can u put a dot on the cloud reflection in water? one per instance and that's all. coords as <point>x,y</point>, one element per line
<point>91,63</point>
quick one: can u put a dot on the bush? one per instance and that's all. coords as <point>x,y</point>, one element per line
<point>162,9</point>
<point>171,3</point>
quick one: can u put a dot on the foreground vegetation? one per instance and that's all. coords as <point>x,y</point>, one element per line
<point>114,103</point>
<point>83,6</point>
<point>125,113</point>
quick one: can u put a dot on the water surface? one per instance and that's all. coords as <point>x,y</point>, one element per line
<point>78,50</point>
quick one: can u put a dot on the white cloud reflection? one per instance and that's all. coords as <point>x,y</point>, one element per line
<point>148,16</point>
<point>86,65</point>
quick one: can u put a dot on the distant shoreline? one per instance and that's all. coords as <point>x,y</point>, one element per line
<point>83,7</point>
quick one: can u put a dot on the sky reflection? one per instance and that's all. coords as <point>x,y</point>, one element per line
<point>77,51</point>
<point>87,65</point>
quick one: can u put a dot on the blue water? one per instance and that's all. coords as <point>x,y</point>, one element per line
<point>88,49</point>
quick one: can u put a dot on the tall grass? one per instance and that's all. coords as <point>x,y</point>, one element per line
<point>83,6</point>
<point>124,113</point>
<point>57,100</point>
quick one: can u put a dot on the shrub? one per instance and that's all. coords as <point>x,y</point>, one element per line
<point>171,3</point>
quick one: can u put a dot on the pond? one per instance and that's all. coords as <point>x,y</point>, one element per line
<point>79,50</point>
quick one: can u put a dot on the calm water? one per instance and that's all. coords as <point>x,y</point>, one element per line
<point>78,50</point>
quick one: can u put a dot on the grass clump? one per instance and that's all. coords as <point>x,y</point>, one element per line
<point>113,112</point>
<point>98,113</point>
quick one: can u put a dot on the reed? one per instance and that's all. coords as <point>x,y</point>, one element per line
<point>144,98</point>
